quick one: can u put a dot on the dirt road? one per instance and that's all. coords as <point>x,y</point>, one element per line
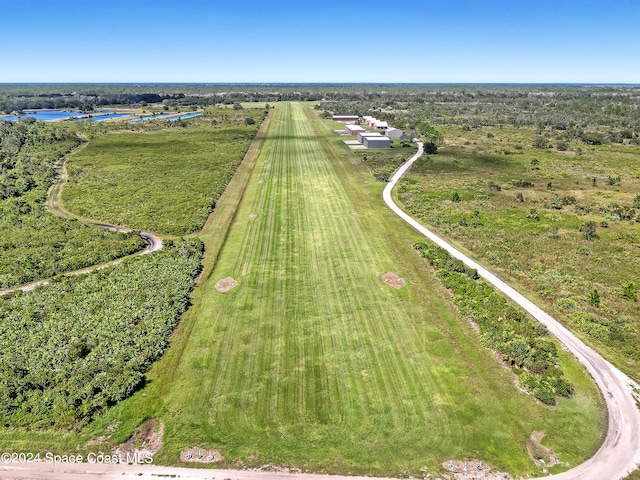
<point>119,472</point>
<point>620,452</point>
<point>54,205</point>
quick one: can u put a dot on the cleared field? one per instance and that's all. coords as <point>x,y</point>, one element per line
<point>165,180</point>
<point>312,361</point>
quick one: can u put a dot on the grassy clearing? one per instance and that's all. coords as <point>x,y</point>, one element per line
<point>313,362</point>
<point>166,178</point>
<point>35,244</point>
<point>531,232</point>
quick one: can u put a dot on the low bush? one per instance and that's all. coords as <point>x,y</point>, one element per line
<point>522,342</point>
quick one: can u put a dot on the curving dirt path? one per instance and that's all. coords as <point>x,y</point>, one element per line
<point>620,452</point>
<point>54,205</point>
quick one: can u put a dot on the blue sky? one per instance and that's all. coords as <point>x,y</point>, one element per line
<point>430,41</point>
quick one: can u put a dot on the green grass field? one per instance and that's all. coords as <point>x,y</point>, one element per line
<point>164,180</point>
<point>312,361</point>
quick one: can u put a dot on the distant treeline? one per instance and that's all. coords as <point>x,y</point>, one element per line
<point>86,103</point>
<point>558,106</point>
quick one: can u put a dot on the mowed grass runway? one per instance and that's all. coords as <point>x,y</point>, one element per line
<point>312,361</point>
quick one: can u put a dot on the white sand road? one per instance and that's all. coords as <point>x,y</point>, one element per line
<point>618,455</point>
<point>620,452</point>
<point>122,472</point>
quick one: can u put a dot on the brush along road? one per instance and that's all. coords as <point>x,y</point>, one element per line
<point>620,452</point>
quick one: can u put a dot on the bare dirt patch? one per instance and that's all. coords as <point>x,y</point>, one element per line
<point>252,215</point>
<point>472,470</point>
<point>200,455</point>
<point>145,442</point>
<point>541,455</point>
<point>225,284</point>
<point>394,280</point>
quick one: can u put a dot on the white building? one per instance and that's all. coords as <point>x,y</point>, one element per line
<point>393,132</point>
<point>353,129</point>
<point>380,125</point>
<point>346,118</point>
<point>361,135</point>
<point>376,142</point>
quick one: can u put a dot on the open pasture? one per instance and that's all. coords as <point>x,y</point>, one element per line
<point>161,178</point>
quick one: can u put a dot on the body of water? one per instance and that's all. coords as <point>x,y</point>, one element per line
<point>46,115</point>
<point>97,116</point>
<point>150,117</point>
<point>187,115</point>
<point>51,115</point>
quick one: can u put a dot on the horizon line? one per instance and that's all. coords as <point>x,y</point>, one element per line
<point>265,83</point>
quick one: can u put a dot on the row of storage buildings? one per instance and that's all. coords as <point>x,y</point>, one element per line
<point>369,139</point>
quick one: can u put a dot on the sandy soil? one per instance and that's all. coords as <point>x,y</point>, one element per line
<point>146,440</point>
<point>394,280</point>
<point>225,284</point>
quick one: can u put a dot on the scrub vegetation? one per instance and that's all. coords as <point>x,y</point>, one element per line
<point>563,224</point>
<point>160,176</point>
<point>74,347</point>
<point>522,342</point>
<point>35,244</point>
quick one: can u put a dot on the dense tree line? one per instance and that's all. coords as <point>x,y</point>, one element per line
<point>29,151</point>
<point>76,346</point>
<point>557,107</point>
<point>523,343</point>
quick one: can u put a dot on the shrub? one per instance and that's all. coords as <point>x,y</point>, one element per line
<point>562,387</point>
<point>540,142</point>
<point>614,180</point>
<point>556,202</point>
<point>588,229</point>
<point>594,298</point>
<point>630,291</point>
<point>430,148</point>
<point>493,186</point>
<point>522,183</point>
<point>533,215</point>
<point>519,340</point>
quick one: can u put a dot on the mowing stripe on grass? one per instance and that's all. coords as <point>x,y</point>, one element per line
<point>313,361</point>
